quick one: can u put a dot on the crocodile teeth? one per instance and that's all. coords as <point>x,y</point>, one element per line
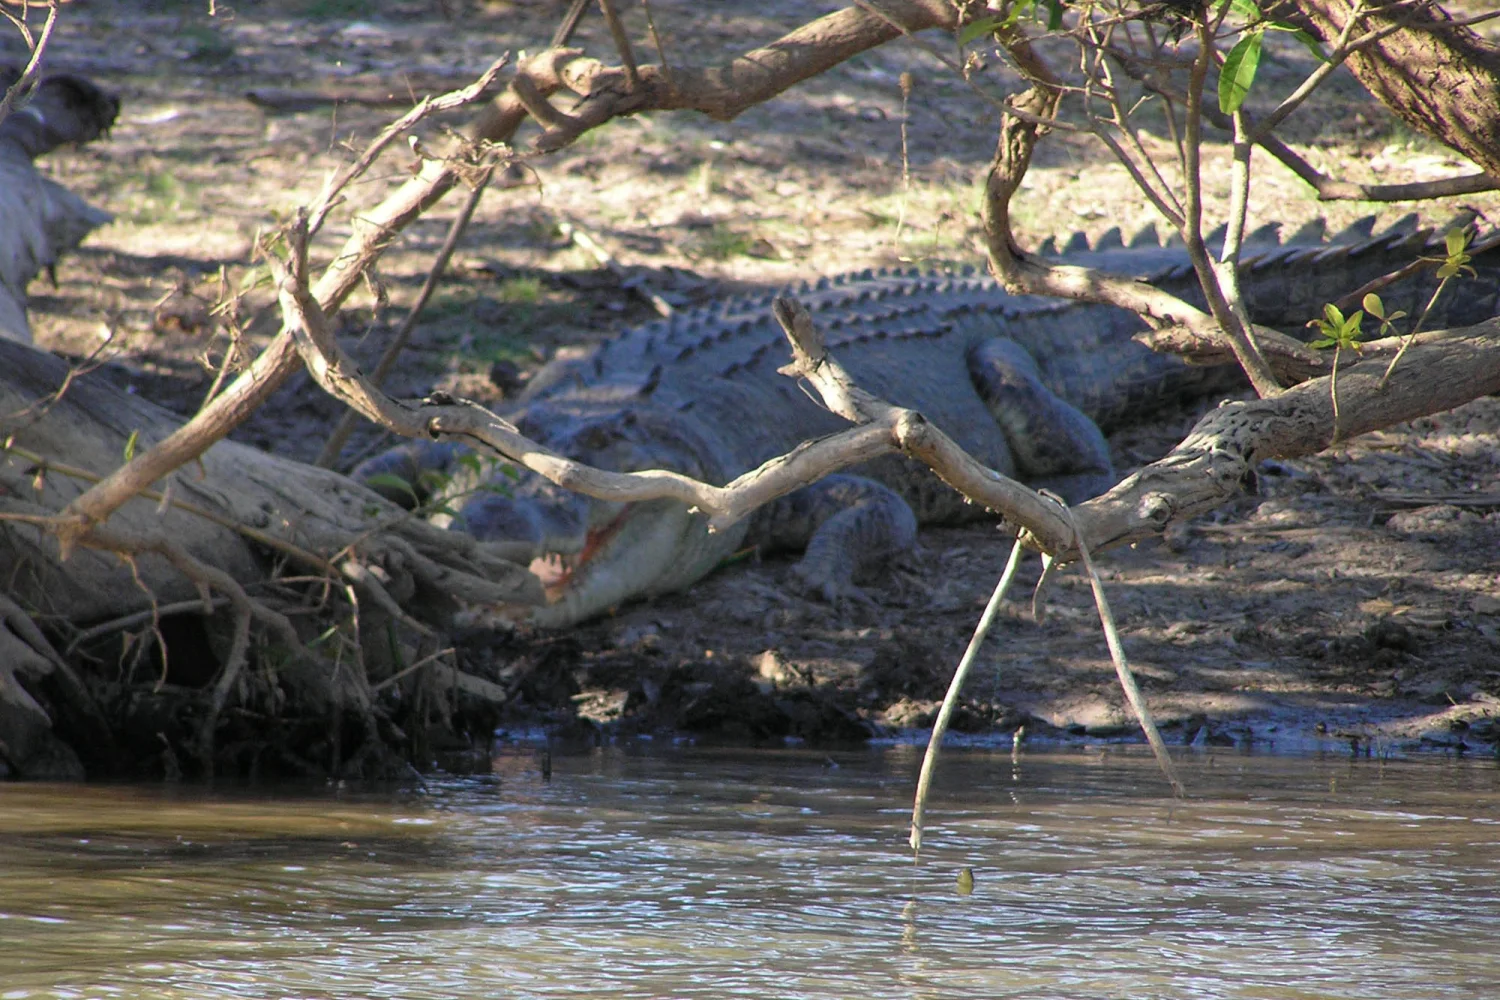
<point>553,569</point>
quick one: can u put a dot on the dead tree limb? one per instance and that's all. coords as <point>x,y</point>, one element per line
<point>1445,369</point>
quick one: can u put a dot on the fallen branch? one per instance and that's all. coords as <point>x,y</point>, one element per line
<point>329,456</point>
<point>1442,370</point>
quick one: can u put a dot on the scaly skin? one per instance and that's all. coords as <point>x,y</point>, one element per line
<point>1026,385</point>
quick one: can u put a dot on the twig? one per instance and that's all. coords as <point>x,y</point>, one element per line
<point>130,621</point>
<point>1416,328</point>
<point>32,64</point>
<point>906,83</point>
<point>428,106</point>
<point>955,688</point>
<point>569,24</point>
<point>589,245</point>
<point>430,658</point>
<point>1227,270</point>
<point>661,51</point>
<point>329,456</point>
<point>1245,351</point>
<point>1327,188</point>
<point>1122,666</point>
<point>1342,47</point>
<point>622,45</point>
<point>1354,298</point>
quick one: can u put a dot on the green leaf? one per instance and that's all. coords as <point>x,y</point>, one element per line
<point>1456,240</point>
<point>1308,41</point>
<point>1238,73</point>
<point>1322,342</point>
<point>470,461</point>
<point>390,481</point>
<point>1025,8</point>
<point>1374,306</point>
<point>1246,9</point>
<point>510,472</point>
<point>977,29</point>
<point>130,443</point>
<point>1333,315</point>
<point>1054,14</point>
<point>1351,327</point>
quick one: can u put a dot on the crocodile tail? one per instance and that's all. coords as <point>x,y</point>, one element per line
<point>1286,287</point>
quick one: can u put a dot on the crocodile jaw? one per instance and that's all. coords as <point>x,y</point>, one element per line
<point>642,545</point>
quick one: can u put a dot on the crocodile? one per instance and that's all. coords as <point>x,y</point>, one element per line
<point>1028,385</point>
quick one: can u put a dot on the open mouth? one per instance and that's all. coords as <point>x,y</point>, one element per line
<point>556,571</point>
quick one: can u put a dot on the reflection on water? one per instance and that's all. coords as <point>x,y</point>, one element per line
<point>713,873</point>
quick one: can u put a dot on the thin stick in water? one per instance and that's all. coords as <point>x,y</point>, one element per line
<point>940,726</point>
<point>1122,666</point>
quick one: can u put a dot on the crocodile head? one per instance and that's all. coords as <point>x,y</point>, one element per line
<point>592,554</point>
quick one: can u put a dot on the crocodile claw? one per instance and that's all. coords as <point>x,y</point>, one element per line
<point>835,590</point>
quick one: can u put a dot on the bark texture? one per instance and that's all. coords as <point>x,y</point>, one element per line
<point>1440,78</point>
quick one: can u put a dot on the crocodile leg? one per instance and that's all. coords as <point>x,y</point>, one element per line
<point>1055,445</point>
<point>847,524</point>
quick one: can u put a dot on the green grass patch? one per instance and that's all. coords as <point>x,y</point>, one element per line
<point>162,197</point>
<point>523,290</point>
<point>719,243</point>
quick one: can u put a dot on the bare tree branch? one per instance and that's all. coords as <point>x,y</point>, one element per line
<point>38,48</point>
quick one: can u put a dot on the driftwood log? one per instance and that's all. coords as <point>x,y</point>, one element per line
<point>191,556</point>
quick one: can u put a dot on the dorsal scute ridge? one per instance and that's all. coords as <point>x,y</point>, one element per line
<point>1403,227</point>
<point>1145,237</point>
<point>1355,233</point>
<point>1268,235</point>
<point>907,303</point>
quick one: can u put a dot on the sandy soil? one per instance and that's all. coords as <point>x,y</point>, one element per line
<point>1354,599</point>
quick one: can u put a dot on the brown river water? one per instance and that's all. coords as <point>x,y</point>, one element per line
<point>668,871</point>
